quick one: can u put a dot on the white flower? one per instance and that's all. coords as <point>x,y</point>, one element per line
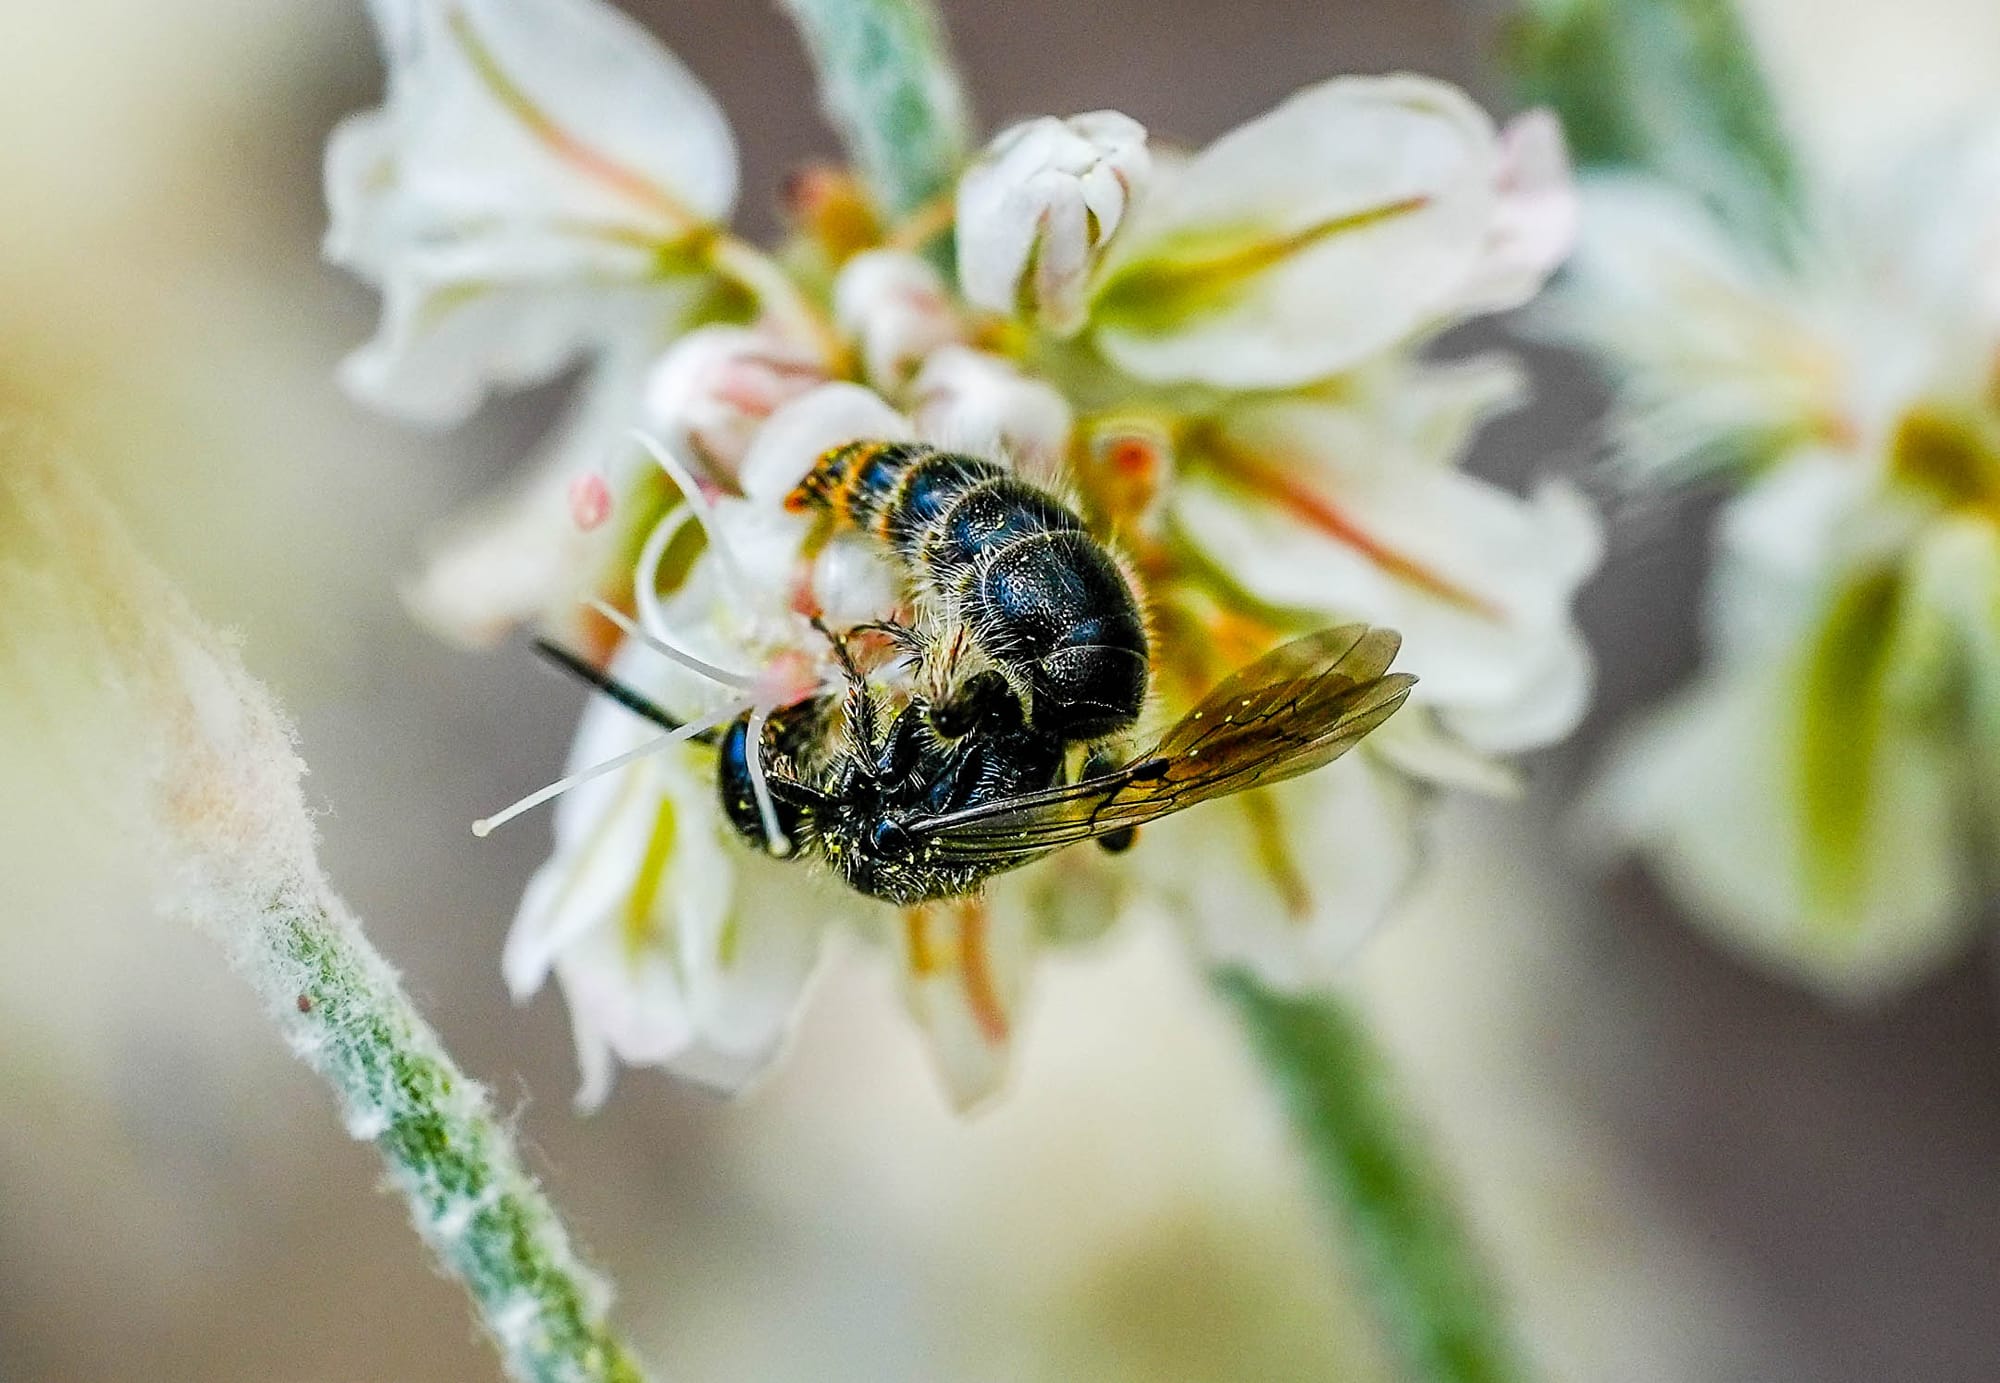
<point>674,945</point>
<point>1819,793</point>
<point>1330,506</point>
<point>544,183</point>
<point>532,187</point>
<point>1288,881</point>
<point>716,385</point>
<point>968,400</point>
<point>1037,210</point>
<point>1356,216</point>
<point>897,309</point>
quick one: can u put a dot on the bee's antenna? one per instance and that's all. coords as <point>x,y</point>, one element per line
<point>484,826</point>
<point>633,701</point>
<point>857,687</point>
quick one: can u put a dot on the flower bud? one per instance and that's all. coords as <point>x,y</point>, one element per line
<point>897,310</point>
<point>809,426</point>
<point>968,400</point>
<point>1036,211</point>
<point>715,387</point>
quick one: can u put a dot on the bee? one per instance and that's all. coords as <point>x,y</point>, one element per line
<point>1004,567</point>
<point>1036,646</point>
<point>908,820</point>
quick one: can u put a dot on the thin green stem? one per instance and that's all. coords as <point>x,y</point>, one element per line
<point>1429,1283</point>
<point>890,88</point>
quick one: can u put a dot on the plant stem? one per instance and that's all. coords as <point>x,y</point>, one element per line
<point>1429,1284</point>
<point>477,1207</point>
<point>889,86</point>
<point>108,641</point>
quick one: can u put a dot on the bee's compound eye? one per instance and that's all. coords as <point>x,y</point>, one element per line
<point>889,838</point>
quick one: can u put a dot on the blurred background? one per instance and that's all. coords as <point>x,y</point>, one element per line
<point>1687,1171</point>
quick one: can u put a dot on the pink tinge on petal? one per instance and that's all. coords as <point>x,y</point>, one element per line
<point>589,500</point>
<point>1536,217</point>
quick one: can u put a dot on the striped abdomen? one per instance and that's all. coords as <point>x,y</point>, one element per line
<point>1039,593</point>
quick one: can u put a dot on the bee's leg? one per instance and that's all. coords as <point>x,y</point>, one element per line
<point>903,637</point>
<point>1111,842</point>
<point>860,702</point>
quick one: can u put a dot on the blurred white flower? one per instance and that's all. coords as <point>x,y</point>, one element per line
<point>1356,216</point>
<point>1037,210</point>
<point>968,400</point>
<point>897,310</point>
<point>1820,794</point>
<point>538,182</point>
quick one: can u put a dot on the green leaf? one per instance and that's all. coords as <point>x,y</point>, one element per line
<point>1670,87</point>
<point>1408,1242</point>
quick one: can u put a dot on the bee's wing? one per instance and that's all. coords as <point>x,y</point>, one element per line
<point>1298,707</point>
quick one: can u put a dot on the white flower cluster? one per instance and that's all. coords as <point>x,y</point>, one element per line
<point>1213,354</point>
<point>1815,793</point>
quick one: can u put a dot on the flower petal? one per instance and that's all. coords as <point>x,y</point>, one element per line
<point>1711,789</point>
<point>521,557</point>
<point>965,971</point>
<point>802,431</point>
<point>968,400</point>
<point>1287,881</point>
<point>1338,224</point>
<point>1535,219</point>
<point>1478,581</point>
<point>518,195</point>
<point>896,307</point>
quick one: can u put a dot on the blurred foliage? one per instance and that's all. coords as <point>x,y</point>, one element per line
<point>1670,87</point>
<point>1395,1205</point>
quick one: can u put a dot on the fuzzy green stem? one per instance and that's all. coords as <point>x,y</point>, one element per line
<point>890,88</point>
<point>481,1212</point>
<point>1429,1284</point>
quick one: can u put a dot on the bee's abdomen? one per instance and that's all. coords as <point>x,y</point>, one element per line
<point>889,489</point>
<point>1042,595</point>
<point>1063,613</point>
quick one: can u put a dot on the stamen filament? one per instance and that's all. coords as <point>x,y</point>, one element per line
<point>728,678</point>
<point>486,824</point>
<point>767,810</point>
<point>698,503</point>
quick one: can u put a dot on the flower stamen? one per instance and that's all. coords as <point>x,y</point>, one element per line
<point>702,508</point>
<point>486,824</point>
<point>775,838</point>
<point>742,681</point>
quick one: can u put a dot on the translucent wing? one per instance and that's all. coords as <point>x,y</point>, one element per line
<point>1300,706</point>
